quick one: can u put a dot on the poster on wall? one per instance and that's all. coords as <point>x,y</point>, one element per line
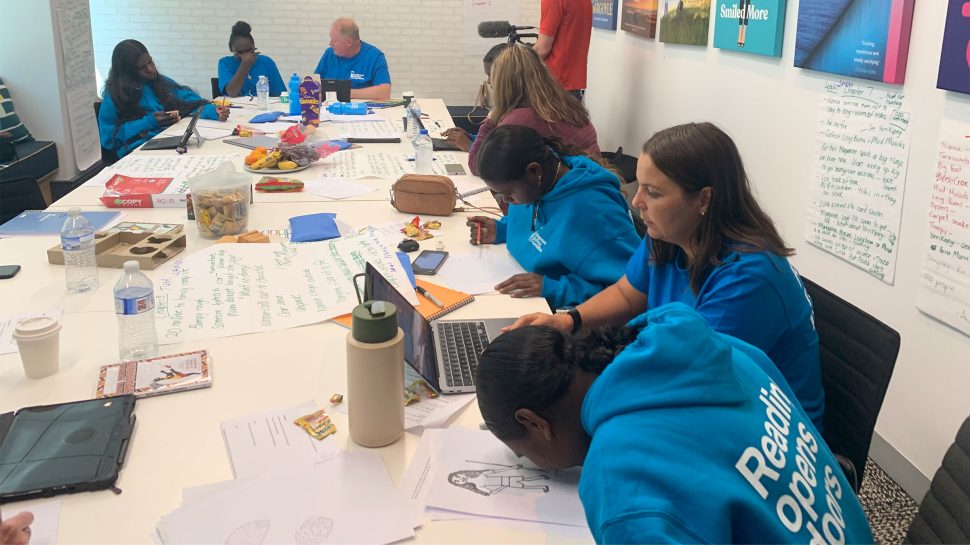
<point>858,176</point>
<point>955,58</point>
<point>685,22</point>
<point>604,14</point>
<point>944,275</point>
<point>866,39</point>
<point>77,53</point>
<point>640,17</point>
<point>750,26</point>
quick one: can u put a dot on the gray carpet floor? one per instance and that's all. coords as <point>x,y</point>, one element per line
<point>889,508</point>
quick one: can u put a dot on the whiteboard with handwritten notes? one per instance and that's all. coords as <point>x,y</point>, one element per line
<point>861,152</point>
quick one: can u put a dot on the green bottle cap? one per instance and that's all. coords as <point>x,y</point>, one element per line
<point>374,322</point>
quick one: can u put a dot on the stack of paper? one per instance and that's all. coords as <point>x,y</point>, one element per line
<point>465,473</point>
<point>336,501</point>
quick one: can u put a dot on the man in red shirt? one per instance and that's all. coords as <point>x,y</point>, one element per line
<point>564,30</point>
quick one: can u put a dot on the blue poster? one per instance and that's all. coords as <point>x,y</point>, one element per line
<point>750,26</point>
<point>604,14</point>
<point>955,57</point>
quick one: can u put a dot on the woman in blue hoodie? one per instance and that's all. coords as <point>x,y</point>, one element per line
<point>710,245</point>
<point>139,102</point>
<point>685,435</point>
<point>568,224</point>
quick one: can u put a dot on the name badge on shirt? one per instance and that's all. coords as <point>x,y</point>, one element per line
<point>355,75</point>
<point>537,242</point>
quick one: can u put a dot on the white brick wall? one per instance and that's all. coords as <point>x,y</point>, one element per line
<point>421,38</point>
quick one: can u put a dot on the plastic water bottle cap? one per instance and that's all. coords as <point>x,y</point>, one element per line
<point>424,131</point>
<point>74,211</point>
<point>131,266</point>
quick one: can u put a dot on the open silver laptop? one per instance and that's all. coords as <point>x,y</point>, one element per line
<point>444,352</point>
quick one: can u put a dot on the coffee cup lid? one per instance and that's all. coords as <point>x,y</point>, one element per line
<point>37,326</point>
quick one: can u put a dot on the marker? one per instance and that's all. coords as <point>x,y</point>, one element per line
<point>479,237</point>
<point>430,297</point>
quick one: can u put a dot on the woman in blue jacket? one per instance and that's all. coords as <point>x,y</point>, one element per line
<point>711,246</point>
<point>139,102</point>
<point>685,435</point>
<point>568,224</point>
<point>239,72</point>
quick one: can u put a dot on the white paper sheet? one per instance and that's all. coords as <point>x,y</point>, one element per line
<point>47,516</point>
<point>343,118</point>
<point>336,188</point>
<point>178,167</point>
<point>480,270</point>
<point>861,156</point>
<point>258,442</point>
<point>416,482</point>
<point>8,324</point>
<point>208,133</point>
<point>478,474</point>
<point>348,499</point>
<point>380,128</point>
<point>234,289</point>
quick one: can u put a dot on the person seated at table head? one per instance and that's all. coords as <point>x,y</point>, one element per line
<point>568,225</point>
<point>524,92</point>
<point>685,435</point>
<point>459,136</point>
<point>139,102</point>
<point>350,58</point>
<point>239,72</point>
<point>710,245</point>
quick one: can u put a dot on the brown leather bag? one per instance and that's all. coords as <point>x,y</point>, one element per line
<point>424,194</point>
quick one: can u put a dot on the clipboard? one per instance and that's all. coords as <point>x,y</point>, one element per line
<point>60,449</point>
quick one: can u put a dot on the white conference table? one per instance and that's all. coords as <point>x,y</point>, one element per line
<point>177,442</point>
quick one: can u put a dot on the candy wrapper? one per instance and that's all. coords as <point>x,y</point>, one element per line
<point>317,424</point>
<point>273,184</point>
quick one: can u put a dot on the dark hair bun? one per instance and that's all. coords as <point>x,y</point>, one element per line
<point>241,27</point>
<point>596,348</point>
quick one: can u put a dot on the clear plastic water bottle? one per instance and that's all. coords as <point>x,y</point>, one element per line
<point>423,153</point>
<point>77,241</point>
<point>294,88</point>
<point>135,307</point>
<point>414,119</point>
<point>262,93</point>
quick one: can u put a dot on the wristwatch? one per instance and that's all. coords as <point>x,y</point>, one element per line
<point>573,312</point>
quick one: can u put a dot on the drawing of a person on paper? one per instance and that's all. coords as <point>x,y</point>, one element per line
<point>492,481</point>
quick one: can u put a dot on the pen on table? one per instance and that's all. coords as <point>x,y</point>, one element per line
<point>412,159</point>
<point>479,236</point>
<point>430,297</point>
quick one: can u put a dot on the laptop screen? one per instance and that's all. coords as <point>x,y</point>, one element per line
<point>418,346</point>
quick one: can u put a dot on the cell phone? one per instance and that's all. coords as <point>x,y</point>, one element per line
<point>454,169</point>
<point>8,271</point>
<point>428,262</point>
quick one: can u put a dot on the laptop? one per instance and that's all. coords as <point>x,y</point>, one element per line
<point>339,86</point>
<point>444,352</point>
<point>439,144</point>
<point>173,142</point>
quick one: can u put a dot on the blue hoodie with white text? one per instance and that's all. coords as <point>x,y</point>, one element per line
<point>697,438</point>
<point>583,235</point>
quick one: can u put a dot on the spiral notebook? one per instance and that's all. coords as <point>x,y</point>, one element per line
<point>451,299</point>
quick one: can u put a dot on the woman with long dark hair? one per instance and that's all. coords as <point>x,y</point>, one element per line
<point>568,225</point>
<point>685,435</point>
<point>139,102</point>
<point>239,72</point>
<point>710,245</point>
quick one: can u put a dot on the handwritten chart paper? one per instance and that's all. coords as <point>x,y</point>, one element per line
<point>178,167</point>
<point>234,289</point>
<point>944,288</point>
<point>862,148</point>
<point>355,165</point>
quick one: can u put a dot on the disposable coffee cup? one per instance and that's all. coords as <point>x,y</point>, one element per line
<point>38,340</point>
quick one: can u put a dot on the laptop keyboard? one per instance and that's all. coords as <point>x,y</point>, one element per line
<point>461,344</point>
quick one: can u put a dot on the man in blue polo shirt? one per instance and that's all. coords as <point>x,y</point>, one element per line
<point>360,62</point>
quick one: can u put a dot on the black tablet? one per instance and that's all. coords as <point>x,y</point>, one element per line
<point>339,86</point>
<point>59,449</point>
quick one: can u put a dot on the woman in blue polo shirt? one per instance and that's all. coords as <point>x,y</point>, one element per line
<point>711,246</point>
<point>239,72</point>
<point>139,102</point>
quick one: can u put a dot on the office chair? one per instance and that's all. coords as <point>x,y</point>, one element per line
<point>108,157</point>
<point>944,513</point>
<point>626,166</point>
<point>19,194</point>
<point>216,91</point>
<point>857,354</point>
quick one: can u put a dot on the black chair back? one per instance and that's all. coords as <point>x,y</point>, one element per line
<point>626,165</point>
<point>858,355</point>
<point>216,92</point>
<point>944,513</point>
<point>108,157</point>
<point>19,194</point>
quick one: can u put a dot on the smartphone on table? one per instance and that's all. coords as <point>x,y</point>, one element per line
<point>8,271</point>
<point>428,262</point>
